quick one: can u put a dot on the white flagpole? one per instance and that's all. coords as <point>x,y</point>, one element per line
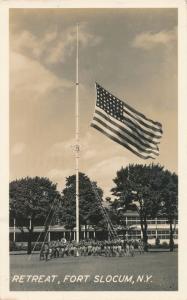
<point>14,229</point>
<point>77,148</point>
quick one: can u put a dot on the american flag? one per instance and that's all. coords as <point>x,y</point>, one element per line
<point>125,125</point>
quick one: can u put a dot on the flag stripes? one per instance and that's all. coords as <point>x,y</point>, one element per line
<point>135,125</point>
<point>133,142</point>
<point>122,131</point>
<point>115,139</point>
<point>126,126</point>
<point>142,123</point>
<point>152,139</point>
<point>142,117</point>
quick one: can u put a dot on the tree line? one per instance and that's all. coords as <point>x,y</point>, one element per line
<point>149,189</point>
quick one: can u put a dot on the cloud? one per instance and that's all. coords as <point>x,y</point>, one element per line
<point>149,40</point>
<point>107,167</point>
<point>31,80</point>
<point>104,172</point>
<point>57,149</point>
<point>65,43</point>
<point>18,148</point>
<point>59,175</point>
<point>54,46</point>
<point>86,147</point>
<point>90,153</point>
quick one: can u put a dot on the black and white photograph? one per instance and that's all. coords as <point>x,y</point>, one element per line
<point>93,195</point>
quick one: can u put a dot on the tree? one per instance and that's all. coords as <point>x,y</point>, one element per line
<point>32,200</point>
<point>140,185</point>
<point>169,201</point>
<point>89,210</point>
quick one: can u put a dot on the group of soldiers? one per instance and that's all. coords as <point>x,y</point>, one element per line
<point>112,248</point>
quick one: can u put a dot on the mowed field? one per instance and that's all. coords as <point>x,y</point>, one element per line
<point>149,272</point>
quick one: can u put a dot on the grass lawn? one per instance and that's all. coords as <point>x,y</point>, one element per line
<point>149,272</point>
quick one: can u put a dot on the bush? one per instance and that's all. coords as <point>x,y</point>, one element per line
<point>12,246</point>
<point>37,246</point>
<point>17,246</point>
<point>157,241</point>
<point>136,244</point>
<point>165,245</point>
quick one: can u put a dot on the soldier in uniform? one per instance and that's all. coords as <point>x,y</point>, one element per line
<point>52,246</point>
<point>42,252</point>
<point>57,248</point>
<point>127,248</point>
<point>131,248</point>
<point>141,246</point>
<point>89,247</point>
<point>84,248</point>
<point>99,248</point>
<point>66,249</point>
<point>119,248</point>
<point>102,248</point>
<point>46,251</point>
<point>106,248</point>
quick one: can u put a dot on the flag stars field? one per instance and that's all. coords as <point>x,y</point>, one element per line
<point>126,126</point>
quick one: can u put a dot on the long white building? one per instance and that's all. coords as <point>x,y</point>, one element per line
<point>157,228</point>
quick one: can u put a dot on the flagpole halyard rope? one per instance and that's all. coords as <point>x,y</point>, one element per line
<point>112,232</point>
<point>45,223</point>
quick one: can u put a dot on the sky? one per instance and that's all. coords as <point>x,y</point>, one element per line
<point>130,52</point>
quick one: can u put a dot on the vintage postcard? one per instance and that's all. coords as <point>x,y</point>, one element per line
<point>93,149</point>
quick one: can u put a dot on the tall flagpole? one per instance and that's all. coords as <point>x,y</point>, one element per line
<point>77,148</point>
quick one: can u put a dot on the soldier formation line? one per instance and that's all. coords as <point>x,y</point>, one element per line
<point>113,248</point>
